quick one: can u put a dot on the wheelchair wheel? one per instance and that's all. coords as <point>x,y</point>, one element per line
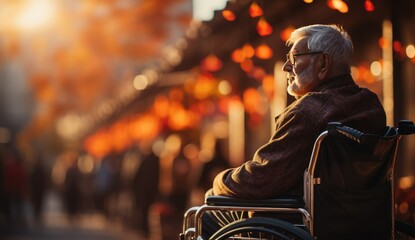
<point>261,228</point>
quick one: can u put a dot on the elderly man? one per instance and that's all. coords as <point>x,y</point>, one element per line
<point>318,75</point>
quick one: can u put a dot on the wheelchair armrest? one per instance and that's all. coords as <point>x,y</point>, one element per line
<point>406,127</point>
<point>283,202</point>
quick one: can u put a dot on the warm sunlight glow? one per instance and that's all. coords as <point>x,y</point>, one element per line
<point>204,10</point>
<point>36,14</point>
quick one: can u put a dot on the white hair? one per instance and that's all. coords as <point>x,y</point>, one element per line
<point>332,39</point>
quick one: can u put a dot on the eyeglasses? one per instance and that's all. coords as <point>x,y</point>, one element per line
<point>291,56</point>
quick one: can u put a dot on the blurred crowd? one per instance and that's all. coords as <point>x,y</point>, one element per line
<point>141,190</point>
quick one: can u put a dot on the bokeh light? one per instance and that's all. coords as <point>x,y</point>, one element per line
<point>410,51</point>
<point>36,14</point>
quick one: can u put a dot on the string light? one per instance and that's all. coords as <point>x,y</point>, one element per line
<point>338,5</point>
<point>247,65</point>
<point>263,51</point>
<point>248,50</point>
<point>237,55</point>
<point>228,15</point>
<point>255,10</point>
<point>286,33</point>
<point>212,63</point>
<point>369,6</point>
<point>263,27</point>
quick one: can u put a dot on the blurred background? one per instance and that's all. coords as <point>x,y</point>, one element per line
<point>115,115</point>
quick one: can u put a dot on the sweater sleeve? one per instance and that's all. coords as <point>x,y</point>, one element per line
<point>277,166</point>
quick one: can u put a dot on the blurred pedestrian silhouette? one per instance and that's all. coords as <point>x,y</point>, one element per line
<point>38,187</point>
<point>145,189</point>
<point>104,181</point>
<point>71,188</point>
<point>181,187</point>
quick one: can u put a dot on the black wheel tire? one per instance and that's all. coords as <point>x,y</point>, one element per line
<point>258,226</point>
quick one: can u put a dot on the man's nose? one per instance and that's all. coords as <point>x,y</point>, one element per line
<point>287,67</point>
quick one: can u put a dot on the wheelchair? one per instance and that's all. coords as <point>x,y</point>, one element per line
<point>348,194</point>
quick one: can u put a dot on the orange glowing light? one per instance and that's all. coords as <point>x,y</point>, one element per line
<point>263,27</point>
<point>121,141</point>
<point>228,15</point>
<point>286,33</point>
<point>263,51</point>
<point>247,65</point>
<point>338,5</point>
<point>255,10</point>
<point>369,6</point>
<point>151,127</point>
<point>224,105</point>
<point>98,145</point>
<point>206,107</point>
<point>268,85</point>
<point>144,127</point>
<point>211,63</point>
<point>251,100</point>
<point>257,73</point>
<point>180,118</point>
<point>237,55</point>
<point>308,1</point>
<point>364,74</point>
<point>248,50</point>
<point>397,46</point>
<point>161,106</point>
<point>382,42</point>
<point>204,87</point>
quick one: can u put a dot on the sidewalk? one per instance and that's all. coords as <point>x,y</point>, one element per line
<point>56,225</point>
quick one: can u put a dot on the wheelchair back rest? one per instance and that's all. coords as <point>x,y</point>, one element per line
<point>357,164</point>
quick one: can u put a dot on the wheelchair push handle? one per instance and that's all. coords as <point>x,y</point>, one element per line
<point>336,127</point>
<point>406,127</point>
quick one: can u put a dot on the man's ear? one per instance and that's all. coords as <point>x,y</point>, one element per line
<point>325,65</point>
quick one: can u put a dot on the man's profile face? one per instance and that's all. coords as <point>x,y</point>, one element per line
<point>301,76</point>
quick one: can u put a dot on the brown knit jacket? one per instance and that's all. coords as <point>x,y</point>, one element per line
<point>278,166</point>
